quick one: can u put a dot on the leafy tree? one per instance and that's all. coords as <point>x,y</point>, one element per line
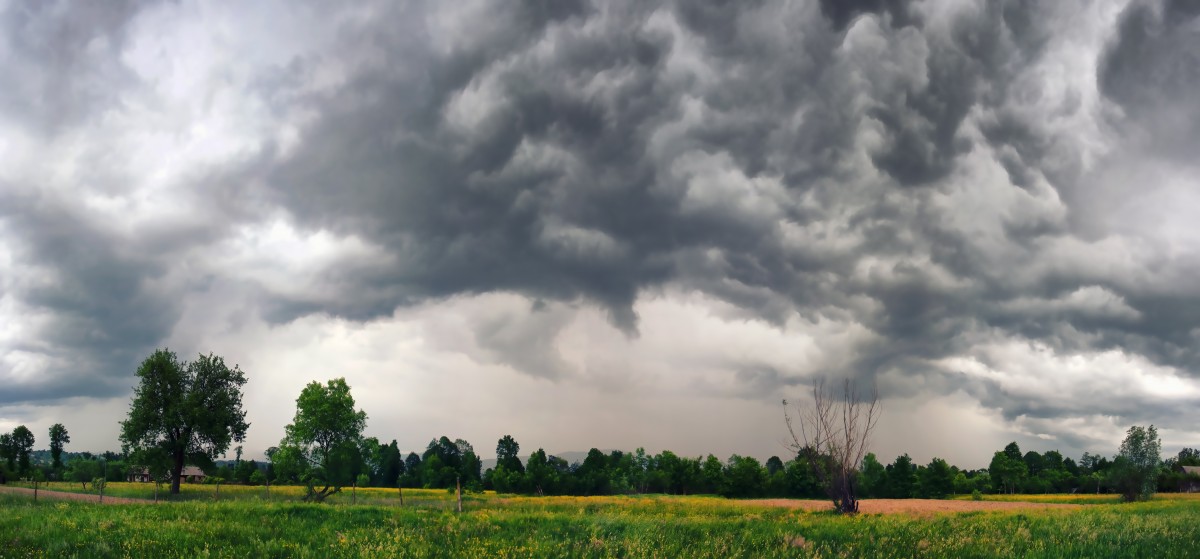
<point>84,471</point>
<point>371,452</point>
<point>412,470</point>
<point>872,476</point>
<point>507,455</point>
<point>1007,472</point>
<point>391,465</point>
<point>470,467</point>
<point>1033,463</point>
<point>538,473</point>
<point>801,482</point>
<point>592,474</point>
<point>963,484</point>
<point>1188,457</point>
<point>8,450</point>
<point>1013,451</point>
<point>184,412</point>
<point>22,442</point>
<point>326,433</point>
<point>244,470</point>
<point>745,477</point>
<point>58,439</point>
<point>288,463</point>
<point>1135,471</point>
<point>902,478</point>
<point>937,479</point>
<point>1088,462</point>
<point>712,474</point>
<point>774,465</point>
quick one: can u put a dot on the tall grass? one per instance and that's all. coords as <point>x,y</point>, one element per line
<point>654,526</point>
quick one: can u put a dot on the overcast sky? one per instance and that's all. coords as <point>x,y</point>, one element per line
<point>611,224</point>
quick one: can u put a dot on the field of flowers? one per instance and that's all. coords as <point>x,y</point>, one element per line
<point>243,523</point>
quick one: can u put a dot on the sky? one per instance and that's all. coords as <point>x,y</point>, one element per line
<point>611,224</point>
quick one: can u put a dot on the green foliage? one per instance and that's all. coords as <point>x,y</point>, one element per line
<point>507,455</point>
<point>8,451</point>
<point>183,413</point>
<point>744,477</point>
<point>937,479</point>
<point>58,439</point>
<point>1008,472</point>
<point>22,444</point>
<point>873,477</point>
<point>1135,471</point>
<point>902,481</point>
<point>1188,457</point>
<point>322,442</point>
<point>976,495</point>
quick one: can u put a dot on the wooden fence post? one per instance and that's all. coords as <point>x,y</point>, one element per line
<point>458,487</point>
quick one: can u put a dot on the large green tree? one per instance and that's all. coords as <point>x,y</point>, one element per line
<point>327,434</point>
<point>22,441</point>
<point>507,456</point>
<point>1007,472</point>
<point>937,479</point>
<point>1135,470</point>
<point>8,451</point>
<point>58,439</point>
<point>183,413</point>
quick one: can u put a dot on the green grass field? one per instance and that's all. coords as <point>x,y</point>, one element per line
<point>243,524</point>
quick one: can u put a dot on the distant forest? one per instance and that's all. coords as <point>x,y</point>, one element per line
<point>446,462</point>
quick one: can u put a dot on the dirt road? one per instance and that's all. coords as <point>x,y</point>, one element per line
<point>914,506</point>
<point>65,496</point>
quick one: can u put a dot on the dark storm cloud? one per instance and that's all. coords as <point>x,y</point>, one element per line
<point>63,60</point>
<point>842,12</point>
<point>95,290</point>
<point>607,212</point>
<point>1152,70</point>
<point>93,293</point>
<point>582,173</point>
<point>827,160</point>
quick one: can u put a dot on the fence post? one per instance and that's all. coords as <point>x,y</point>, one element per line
<point>458,488</point>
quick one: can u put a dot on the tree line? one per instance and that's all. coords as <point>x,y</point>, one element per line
<point>191,413</point>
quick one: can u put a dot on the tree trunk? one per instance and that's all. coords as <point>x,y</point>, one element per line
<point>176,472</point>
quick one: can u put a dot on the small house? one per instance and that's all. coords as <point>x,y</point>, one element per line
<point>190,474</point>
<point>1191,485</point>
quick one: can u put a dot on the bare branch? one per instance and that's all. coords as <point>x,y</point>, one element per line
<point>833,435</point>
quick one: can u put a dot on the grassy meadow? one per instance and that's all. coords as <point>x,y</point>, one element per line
<point>242,523</point>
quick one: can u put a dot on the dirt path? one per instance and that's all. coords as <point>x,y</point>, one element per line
<point>914,506</point>
<point>66,496</point>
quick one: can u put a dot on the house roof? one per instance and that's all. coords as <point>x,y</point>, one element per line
<point>1191,470</point>
<point>188,471</point>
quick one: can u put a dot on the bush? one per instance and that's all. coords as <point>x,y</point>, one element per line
<point>976,495</point>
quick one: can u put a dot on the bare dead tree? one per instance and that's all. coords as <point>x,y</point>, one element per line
<point>832,435</point>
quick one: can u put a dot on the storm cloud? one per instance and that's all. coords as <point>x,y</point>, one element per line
<point>986,201</point>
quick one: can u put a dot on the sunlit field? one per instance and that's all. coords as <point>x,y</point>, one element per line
<point>243,522</point>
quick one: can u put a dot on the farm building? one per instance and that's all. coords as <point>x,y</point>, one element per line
<point>1191,486</point>
<point>190,474</point>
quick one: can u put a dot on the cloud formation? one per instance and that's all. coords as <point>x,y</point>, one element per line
<point>979,200</point>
